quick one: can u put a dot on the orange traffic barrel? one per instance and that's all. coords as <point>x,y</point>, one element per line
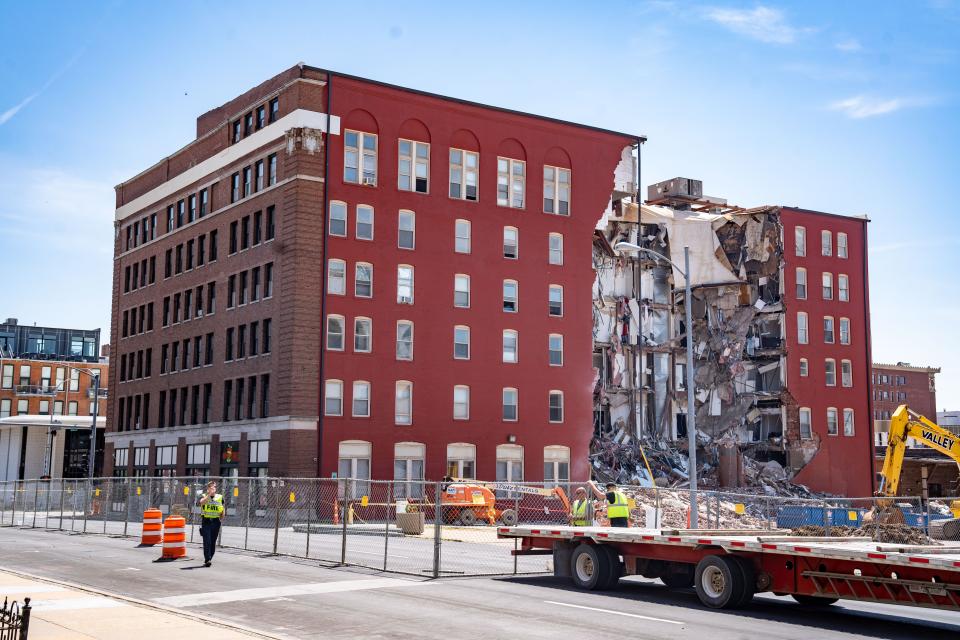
<point>152,527</point>
<point>174,538</point>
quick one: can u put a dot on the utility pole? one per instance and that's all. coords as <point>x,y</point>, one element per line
<point>93,425</point>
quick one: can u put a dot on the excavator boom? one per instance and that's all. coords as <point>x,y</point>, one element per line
<point>905,424</point>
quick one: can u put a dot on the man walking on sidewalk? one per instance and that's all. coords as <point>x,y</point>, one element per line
<point>211,510</point>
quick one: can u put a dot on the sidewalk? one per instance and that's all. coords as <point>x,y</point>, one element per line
<point>65,613</point>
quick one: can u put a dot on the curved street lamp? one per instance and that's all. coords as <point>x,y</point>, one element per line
<point>691,412</point>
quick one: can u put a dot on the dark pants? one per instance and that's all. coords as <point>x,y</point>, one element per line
<point>209,531</point>
<point>618,522</point>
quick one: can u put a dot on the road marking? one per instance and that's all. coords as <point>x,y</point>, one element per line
<point>616,613</point>
<point>76,603</point>
<point>380,555</point>
<point>217,597</point>
<point>279,600</point>
<point>128,569</point>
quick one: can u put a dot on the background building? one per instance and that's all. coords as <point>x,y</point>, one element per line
<point>48,343</point>
<point>434,322</point>
<point>902,383</point>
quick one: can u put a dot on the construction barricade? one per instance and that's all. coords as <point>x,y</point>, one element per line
<point>174,538</point>
<point>152,527</point>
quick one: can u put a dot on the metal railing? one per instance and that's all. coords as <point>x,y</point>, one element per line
<point>399,526</point>
<point>14,620</point>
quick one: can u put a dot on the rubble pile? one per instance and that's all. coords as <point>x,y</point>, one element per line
<point>888,533</point>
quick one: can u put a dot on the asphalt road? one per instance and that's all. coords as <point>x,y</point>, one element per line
<point>299,599</point>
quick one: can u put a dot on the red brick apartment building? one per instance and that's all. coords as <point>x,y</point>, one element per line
<point>828,348</point>
<point>902,383</point>
<point>340,276</point>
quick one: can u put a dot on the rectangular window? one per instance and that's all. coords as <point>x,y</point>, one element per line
<point>274,109</point>
<point>511,243</point>
<point>211,297</point>
<point>846,373</point>
<point>806,430</point>
<point>192,208</point>
<point>556,190</point>
<point>556,406</point>
<point>361,399</point>
<point>510,346</point>
<point>556,300</point>
<point>800,241</point>
<point>258,175</point>
<point>362,335</point>
<point>333,398</point>
<point>245,233</point>
<point>843,288</point>
<point>254,284</point>
<point>511,182</point>
<point>335,333</point>
<point>827,286</point>
<point>556,249</point>
<point>413,169</point>
<point>844,331</point>
<point>271,222</point>
<point>461,403</point>
<point>828,329</point>
<point>461,343</point>
<point>509,404</point>
<point>7,380</point>
<point>403,403</point>
<point>179,259</point>
<point>233,236</point>
<point>268,280</point>
<point>209,356</point>
<point>830,369</point>
<point>201,249</point>
<point>242,341</point>
<point>181,209</point>
<point>464,171</point>
<point>404,340</point>
<point>360,158</point>
<point>801,283</point>
<point>197,351</point>
<point>272,169</point>
<point>257,227</point>
<point>338,219</point>
<point>204,202</point>
<point>802,329</point>
<point>267,335</point>
<point>462,236</point>
<point>404,284</point>
<point>168,263</point>
<point>804,368</point>
<point>336,277</point>
<point>248,124</point>
<point>247,181</point>
<point>363,280</point>
<point>213,245</point>
<point>5,407</point>
<point>826,243</point>
<point>556,350</point>
<point>461,290</point>
<point>510,296</point>
<point>364,228</point>
<point>406,230</point>
<point>831,421</point>
<point>235,187</point>
<point>228,348</point>
<point>190,254</point>
<point>847,417</point>
<point>243,287</point>
<point>841,245</point>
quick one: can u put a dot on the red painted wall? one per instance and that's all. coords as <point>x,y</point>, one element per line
<point>593,157</point>
<point>844,464</point>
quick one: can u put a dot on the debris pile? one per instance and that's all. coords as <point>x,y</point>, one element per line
<point>888,533</point>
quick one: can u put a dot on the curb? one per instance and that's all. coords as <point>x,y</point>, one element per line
<point>152,605</point>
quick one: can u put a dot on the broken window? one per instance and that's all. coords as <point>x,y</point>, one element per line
<point>800,241</point>
<point>404,284</point>
<point>831,421</point>
<point>828,329</point>
<point>406,230</point>
<point>801,283</point>
<point>844,330</point>
<point>404,340</point>
<point>413,169</point>
<point>364,228</point>
<point>461,343</point>
<point>843,288</point>
<point>360,153</point>
<point>846,373</point>
<point>511,179</point>
<point>806,430</point>
<point>511,243</point>
<point>556,300</point>
<point>362,335</point>
<point>461,290</point>
<point>556,190</point>
<point>556,249</point>
<point>841,245</point>
<point>826,243</point>
<point>802,329</point>
<point>464,171</point>
<point>363,280</point>
<point>830,370</point>
<point>827,285</point>
<point>462,236</point>
<point>510,303</point>
<point>848,422</point>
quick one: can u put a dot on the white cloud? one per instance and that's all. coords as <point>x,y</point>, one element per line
<point>859,107</point>
<point>850,45</point>
<point>761,23</point>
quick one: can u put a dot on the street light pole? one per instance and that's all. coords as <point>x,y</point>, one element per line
<point>93,424</point>
<point>691,409</point>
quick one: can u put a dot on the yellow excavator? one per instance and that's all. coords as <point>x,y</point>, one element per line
<point>906,424</point>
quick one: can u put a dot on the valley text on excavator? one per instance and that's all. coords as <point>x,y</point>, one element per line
<point>468,502</point>
<point>905,424</point>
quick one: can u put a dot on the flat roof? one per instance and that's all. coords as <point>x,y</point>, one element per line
<point>861,217</point>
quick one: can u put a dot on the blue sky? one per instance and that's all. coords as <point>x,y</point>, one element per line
<point>845,107</point>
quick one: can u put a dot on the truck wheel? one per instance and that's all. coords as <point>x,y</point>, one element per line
<point>719,582</point>
<point>590,567</point>
<point>749,580</point>
<point>616,567</point>
<point>468,517</point>
<point>679,575</point>
<point>509,517</point>
<point>813,601</point>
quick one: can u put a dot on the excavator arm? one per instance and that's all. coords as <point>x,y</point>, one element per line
<point>906,424</point>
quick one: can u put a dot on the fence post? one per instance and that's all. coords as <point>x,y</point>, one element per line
<point>36,497</point>
<point>246,527</point>
<point>276,516</point>
<point>310,507</point>
<point>87,502</point>
<point>3,502</point>
<point>437,526</point>
<point>386,524</point>
<point>344,514</point>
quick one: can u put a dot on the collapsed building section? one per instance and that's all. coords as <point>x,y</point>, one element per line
<point>741,401</point>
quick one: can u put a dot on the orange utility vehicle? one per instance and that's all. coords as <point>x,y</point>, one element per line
<point>468,502</point>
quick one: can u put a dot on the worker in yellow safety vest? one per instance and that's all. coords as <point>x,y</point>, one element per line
<point>581,511</point>
<point>618,509</point>
<point>211,508</point>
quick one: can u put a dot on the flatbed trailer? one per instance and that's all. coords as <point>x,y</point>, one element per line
<point>727,567</point>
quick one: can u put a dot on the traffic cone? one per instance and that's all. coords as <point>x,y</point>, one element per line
<point>688,517</point>
<point>336,512</point>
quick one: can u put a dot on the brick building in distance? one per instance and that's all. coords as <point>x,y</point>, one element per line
<point>340,276</point>
<point>902,383</point>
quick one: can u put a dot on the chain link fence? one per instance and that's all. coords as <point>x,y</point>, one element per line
<point>414,527</point>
